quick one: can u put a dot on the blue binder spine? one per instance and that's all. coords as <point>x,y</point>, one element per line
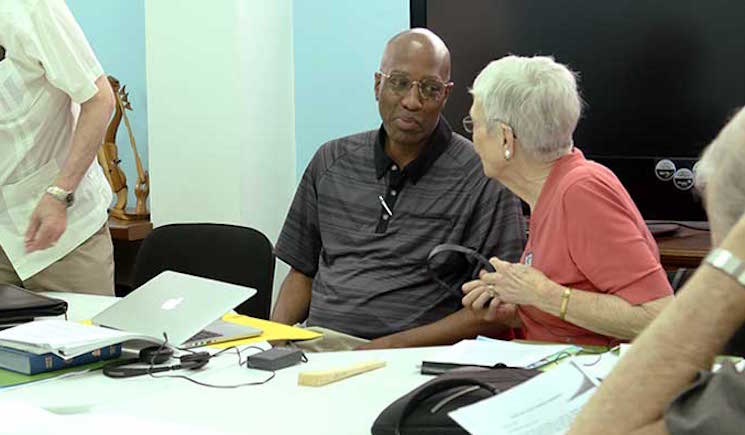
<point>31,364</point>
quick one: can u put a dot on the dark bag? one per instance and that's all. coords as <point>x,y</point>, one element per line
<point>424,410</point>
<point>18,305</point>
<point>714,403</point>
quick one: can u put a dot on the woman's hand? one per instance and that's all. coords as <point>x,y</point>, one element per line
<point>511,283</point>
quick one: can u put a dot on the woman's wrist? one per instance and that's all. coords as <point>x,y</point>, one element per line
<point>549,298</point>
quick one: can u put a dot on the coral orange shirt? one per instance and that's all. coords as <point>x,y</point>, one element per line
<point>586,233</point>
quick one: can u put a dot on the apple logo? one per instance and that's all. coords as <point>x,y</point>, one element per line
<point>171,303</point>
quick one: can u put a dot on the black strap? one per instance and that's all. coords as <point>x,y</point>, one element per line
<point>472,255</point>
<point>478,261</point>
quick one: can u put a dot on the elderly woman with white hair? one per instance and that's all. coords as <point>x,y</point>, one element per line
<point>590,272</point>
<point>663,384</point>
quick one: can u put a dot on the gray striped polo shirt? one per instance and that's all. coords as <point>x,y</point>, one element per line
<point>368,265</point>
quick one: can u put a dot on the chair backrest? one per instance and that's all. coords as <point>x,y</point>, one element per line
<point>229,253</point>
<point>679,277</point>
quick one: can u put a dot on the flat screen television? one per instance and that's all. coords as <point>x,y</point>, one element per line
<point>660,78</point>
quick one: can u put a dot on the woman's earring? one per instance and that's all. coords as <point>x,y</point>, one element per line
<point>507,154</point>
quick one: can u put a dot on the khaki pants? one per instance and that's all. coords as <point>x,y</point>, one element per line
<point>89,268</point>
<point>331,341</point>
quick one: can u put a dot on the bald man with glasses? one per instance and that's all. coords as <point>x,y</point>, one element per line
<point>371,206</point>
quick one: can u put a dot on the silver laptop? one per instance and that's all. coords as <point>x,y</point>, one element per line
<point>183,306</point>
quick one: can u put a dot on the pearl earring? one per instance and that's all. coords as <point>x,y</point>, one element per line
<point>507,154</point>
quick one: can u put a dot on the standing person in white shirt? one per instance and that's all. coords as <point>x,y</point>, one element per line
<point>55,104</point>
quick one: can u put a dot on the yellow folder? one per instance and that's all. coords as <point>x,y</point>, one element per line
<point>271,331</point>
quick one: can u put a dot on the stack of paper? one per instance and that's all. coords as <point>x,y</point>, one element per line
<point>64,339</point>
<point>488,353</point>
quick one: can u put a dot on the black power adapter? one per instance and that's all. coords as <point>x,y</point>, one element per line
<point>275,358</point>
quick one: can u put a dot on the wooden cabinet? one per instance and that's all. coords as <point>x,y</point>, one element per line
<point>684,248</point>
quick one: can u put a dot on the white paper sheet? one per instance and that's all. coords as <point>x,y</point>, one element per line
<point>596,367</point>
<point>623,348</point>
<point>63,338</point>
<point>546,404</point>
<point>488,352</point>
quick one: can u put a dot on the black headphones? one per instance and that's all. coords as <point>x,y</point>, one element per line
<point>155,355</point>
<point>476,260</point>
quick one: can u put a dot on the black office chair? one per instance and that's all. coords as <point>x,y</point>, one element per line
<point>229,253</point>
<point>679,277</point>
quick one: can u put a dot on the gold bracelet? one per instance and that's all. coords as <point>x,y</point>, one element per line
<point>564,302</point>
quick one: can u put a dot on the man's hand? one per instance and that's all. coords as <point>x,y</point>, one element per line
<point>49,219</point>
<point>491,309</point>
<point>48,222</point>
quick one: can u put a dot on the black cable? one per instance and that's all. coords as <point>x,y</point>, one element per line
<point>600,357</point>
<point>204,384</point>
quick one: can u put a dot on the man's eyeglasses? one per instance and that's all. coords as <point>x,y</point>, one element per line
<point>429,89</point>
<point>468,125</point>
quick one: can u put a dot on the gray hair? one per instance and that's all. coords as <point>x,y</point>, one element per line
<point>537,97</point>
<point>722,165</point>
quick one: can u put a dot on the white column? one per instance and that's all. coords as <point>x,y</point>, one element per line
<point>220,100</point>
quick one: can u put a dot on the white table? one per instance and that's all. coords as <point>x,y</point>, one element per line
<point>279,407</point>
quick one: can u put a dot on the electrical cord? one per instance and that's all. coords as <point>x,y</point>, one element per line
<point>204,384</point>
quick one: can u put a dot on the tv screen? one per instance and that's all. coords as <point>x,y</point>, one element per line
<point>659,78</point>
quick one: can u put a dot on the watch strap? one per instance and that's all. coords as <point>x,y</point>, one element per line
<point>728,263</point>
<point>60,194</point>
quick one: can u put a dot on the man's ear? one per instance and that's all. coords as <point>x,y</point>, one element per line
<point>445,98</point>
<point>377,87</point>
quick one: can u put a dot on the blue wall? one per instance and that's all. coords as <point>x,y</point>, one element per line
<point>116,31</point>
<point>337,46</point>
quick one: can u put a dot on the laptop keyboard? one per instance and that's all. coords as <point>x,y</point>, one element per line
<point>202,335</point>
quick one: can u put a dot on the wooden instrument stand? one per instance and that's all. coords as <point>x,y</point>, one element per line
<point>108,158</point>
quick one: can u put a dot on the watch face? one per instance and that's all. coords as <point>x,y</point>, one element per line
<point>69,199</point>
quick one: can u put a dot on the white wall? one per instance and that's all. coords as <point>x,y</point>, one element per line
<point>220,99</point>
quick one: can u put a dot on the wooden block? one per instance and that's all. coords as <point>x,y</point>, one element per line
<point>323,377</point>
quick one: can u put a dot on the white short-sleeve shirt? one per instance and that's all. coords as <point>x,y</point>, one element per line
<point>48,70</point>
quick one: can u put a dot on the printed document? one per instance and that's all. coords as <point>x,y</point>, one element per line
<point>543,405</point>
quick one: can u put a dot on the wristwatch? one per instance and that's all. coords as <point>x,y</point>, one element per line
<point>62,195</point>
